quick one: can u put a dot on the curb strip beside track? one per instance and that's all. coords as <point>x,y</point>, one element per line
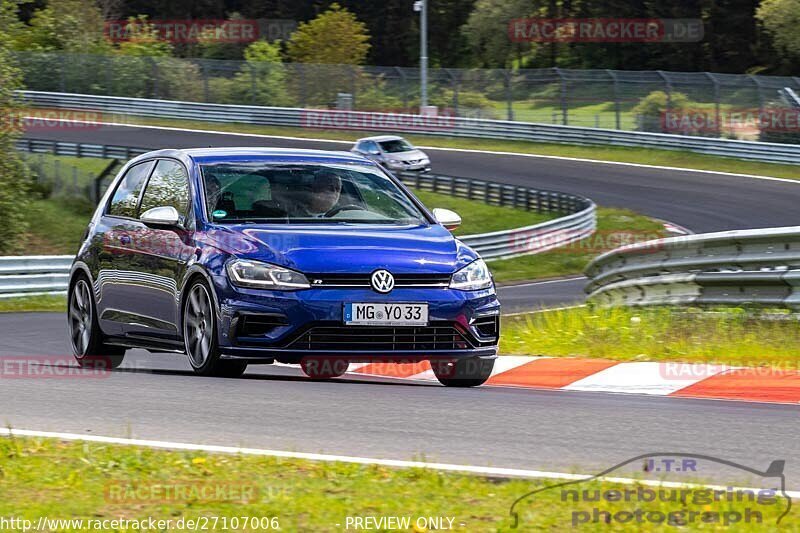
<point>687,380</point>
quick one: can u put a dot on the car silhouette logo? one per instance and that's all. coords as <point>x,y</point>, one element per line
<point>382,281</point>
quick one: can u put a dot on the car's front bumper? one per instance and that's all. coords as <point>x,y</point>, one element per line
<point>278,325</point>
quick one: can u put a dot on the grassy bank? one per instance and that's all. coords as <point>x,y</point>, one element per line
<point>674,158</point>
<point>56,226</point>
<point>615,227</point>
<point>42,303</point>
<point>96,481</point>
<point>733,337</point>
<point>478,217</point>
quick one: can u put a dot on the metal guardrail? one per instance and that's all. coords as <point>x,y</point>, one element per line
<point>29,275</point>
<point>580,220</point>
<point>39,146</point>
<point>759,267</point>
<point>447,126</point>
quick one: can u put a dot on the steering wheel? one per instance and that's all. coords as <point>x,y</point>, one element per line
<point>349,207</point>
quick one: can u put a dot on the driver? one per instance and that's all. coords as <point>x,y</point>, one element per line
<point>325,192</point>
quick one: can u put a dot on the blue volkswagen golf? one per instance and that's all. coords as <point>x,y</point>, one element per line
<point>241,256</point>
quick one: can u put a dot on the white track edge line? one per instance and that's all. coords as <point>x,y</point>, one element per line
<point>395,463</point>
<point>465,150</point>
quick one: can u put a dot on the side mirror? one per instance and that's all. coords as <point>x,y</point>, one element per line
<point>161,216</point>
<point>375,152</point>
<point>448,219</point>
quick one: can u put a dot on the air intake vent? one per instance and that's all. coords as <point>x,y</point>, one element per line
<point>442,336</point>
<point>259,325</point>
<point>487,326</point>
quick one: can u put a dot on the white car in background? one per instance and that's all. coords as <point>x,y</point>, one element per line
<point>393,152</point>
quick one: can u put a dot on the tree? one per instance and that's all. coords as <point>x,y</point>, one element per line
<point>781,19</point>
<point>262,80</point>
<point>486,31</point>
<point>335,37</point>
<point>14,181</point>
<point>71,25</point>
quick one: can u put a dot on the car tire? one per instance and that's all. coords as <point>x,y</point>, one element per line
<point>200,335</point>
<point>88,343</point>
<point>467,372</point>
<point>323,367</point>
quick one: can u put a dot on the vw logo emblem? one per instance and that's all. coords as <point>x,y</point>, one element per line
<point>382,281</point>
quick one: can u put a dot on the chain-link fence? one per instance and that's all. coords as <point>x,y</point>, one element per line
<point>696,103</point>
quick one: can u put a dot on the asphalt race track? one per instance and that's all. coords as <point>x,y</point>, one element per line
<point>699,201</point>
<point>157,397</point>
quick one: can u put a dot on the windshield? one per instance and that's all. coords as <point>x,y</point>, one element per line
<point>283,193</point>
<point>396,145</point>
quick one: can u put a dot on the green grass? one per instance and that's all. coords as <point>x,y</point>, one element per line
<point>56,226</point>
<point>732,337</point>
<point>478,217</point>
<point>33,303</point>
<point>675,158</point>
<point>615,227</point>
<point>95,481</point>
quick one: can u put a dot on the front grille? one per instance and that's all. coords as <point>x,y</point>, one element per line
<point>363,280</point>
<point>441,336</point>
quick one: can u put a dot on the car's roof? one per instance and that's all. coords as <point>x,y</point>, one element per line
<point>207,155</point>
<point>381,138</point>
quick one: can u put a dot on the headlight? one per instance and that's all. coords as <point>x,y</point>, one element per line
<point>257,275</point>
<point>394,164</point>
<point>473,277</point>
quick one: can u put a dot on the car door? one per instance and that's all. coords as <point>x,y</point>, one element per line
<point>159,256</point>
<point>115,234</point>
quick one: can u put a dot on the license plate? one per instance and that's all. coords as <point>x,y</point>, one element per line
<point>380,314</point>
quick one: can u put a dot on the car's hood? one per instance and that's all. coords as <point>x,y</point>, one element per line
<point>346,249</point>
<point>411,155</point>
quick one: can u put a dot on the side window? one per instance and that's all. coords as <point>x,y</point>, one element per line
<point>126,197</point>
<point>168,186</point>
<point>371,147</point>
